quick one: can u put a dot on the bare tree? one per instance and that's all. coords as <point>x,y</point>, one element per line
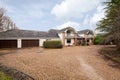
<point>5,22</point>
<point>2,12</point>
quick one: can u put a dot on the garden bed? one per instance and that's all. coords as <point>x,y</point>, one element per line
<point>13,73</point>
<point>111,53</point>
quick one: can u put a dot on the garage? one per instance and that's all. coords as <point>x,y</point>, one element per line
<point>23,38</point>
<point>30,43</point>
<point>8,43</point>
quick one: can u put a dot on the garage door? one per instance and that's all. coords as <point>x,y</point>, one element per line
<point>30,43</point>
<point>8,43</point>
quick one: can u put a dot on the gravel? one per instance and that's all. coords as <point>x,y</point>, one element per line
<point>69,63</point>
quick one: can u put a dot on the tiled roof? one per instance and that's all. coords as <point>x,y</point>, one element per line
<point>64,29</point>
<point>27,34</point>
<point>52,33</point>
<point>86,31</point>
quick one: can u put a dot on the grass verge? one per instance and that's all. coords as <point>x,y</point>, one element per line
<point>4,77</point>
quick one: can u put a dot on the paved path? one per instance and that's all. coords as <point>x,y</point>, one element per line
<point>69,63</point>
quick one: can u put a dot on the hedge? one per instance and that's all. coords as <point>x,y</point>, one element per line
<point>52,44</point>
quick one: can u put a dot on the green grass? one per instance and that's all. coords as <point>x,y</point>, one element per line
<point>4,77</point>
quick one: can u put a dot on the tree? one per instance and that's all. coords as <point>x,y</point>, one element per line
<point>5,22</point>
<point>99,39</point>
<point>111,22</point>
<point>2,11</point>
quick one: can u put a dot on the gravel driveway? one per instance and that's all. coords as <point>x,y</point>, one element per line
<point>69,63</point>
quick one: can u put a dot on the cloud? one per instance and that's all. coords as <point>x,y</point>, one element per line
<point>80,14</point>
<point>31,10</point>
<point>8,8</point>
<point>91,21</point>
<point>24,15</point>
<point>99,14</point>
<point>34,10</point>
<point>69,24</point>
<point>73,8</point>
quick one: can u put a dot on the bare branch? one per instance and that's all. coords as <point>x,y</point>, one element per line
<point>5,22</point>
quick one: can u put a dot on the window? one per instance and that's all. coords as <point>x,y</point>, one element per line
<point>68,40</point>
<point>87,40</point>
<point>68,31</point>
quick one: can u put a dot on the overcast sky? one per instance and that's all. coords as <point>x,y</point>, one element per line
<point>54,14</point>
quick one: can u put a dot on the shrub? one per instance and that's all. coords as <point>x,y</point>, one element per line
<point>83,44</point>
<point>87,44</point>
<point>98,40</point>
<point>52,44</point>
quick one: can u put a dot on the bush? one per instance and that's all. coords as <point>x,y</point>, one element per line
<point>52,44</point>
<point>98,40</point>
<point>87,44</point>
<point>83,44</point>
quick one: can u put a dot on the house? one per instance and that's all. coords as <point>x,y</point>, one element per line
<point>26,38</point>
<point>88,36</point>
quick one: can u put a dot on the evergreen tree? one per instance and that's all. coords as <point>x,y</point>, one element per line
<point>111,22</point>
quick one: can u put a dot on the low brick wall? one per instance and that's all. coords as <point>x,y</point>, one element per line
<point>14,73</point>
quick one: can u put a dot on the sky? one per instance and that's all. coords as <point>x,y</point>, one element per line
<point>42,15</point>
